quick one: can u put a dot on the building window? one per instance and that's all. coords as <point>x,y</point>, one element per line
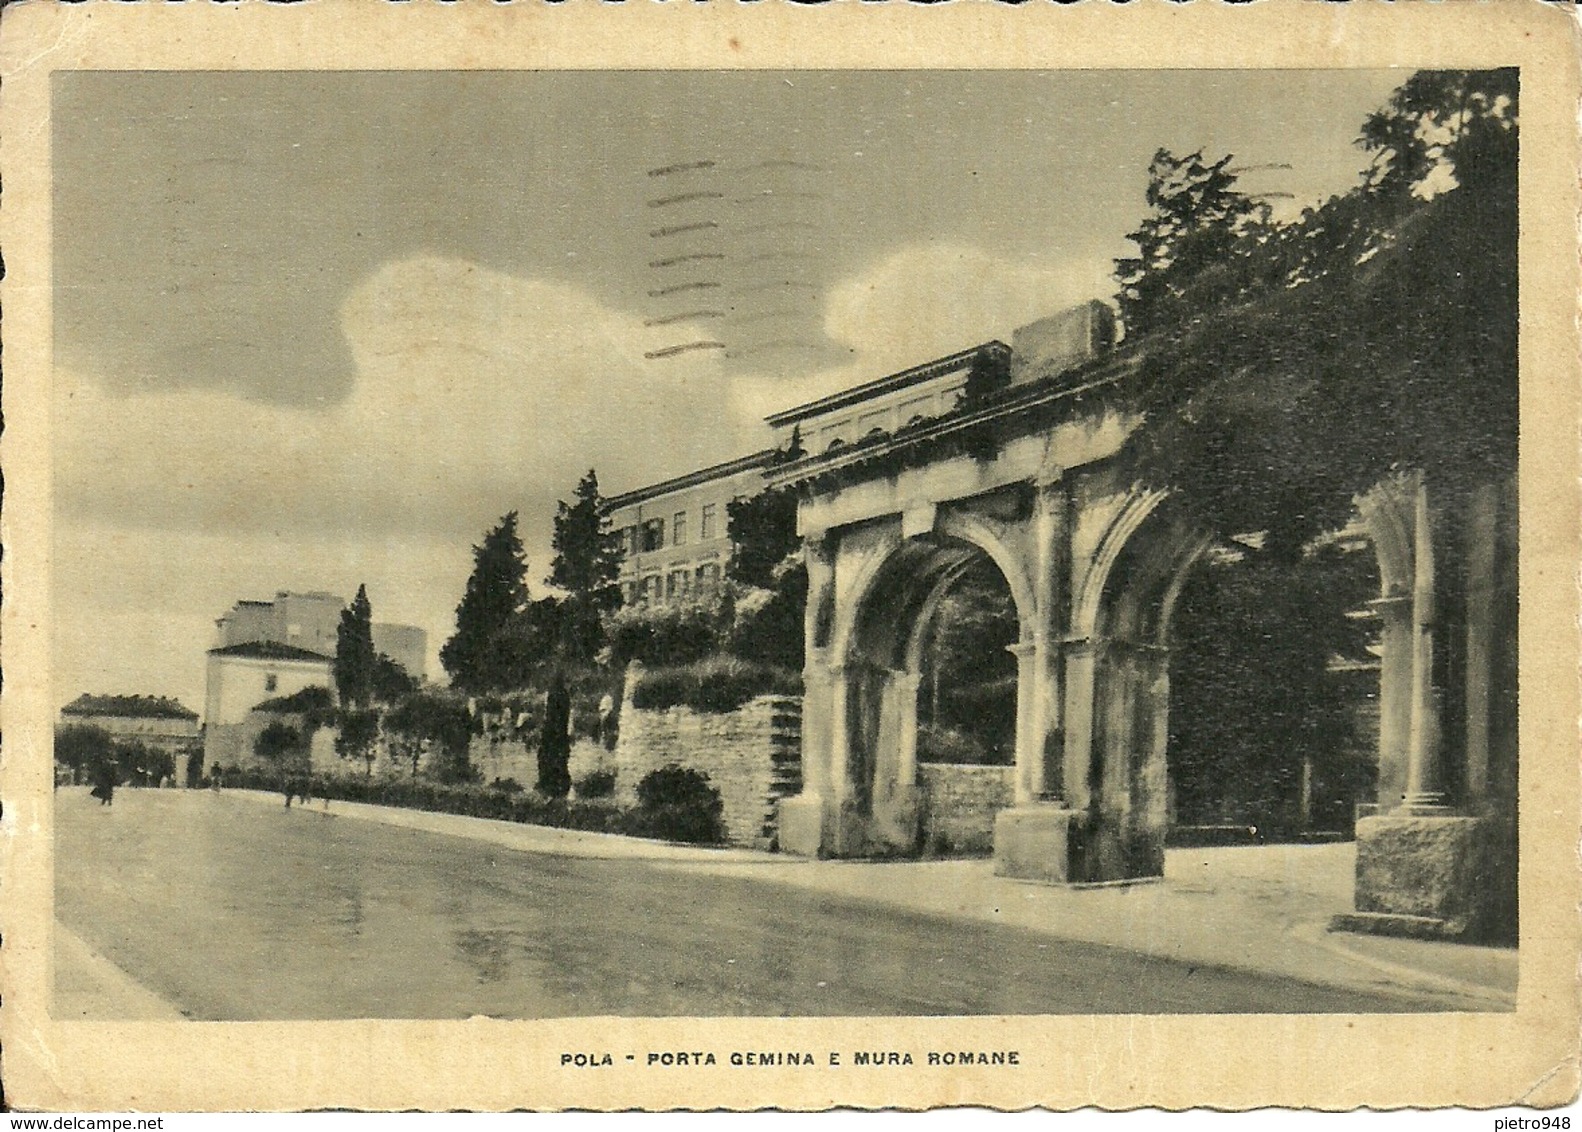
<point>653,534</point>
<point>709,577</point>
<point>706,527</point>
<point>678,529</point>
<point>629,540</point>
<point>629,593</point>
<point>651,588</point>
<point>676,585</point>
<point>271,682</point>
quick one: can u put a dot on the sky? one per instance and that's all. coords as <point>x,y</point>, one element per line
<point>315,330</point>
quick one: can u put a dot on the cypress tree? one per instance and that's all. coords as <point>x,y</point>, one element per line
<point>484,655</point>
<point>354,652</point>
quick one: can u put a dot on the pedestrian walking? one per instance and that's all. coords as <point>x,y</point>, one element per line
<point>104,783</point>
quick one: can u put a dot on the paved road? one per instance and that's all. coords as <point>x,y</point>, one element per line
<point>232,910</point>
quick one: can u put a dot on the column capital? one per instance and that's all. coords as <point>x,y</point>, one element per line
<point>1022,650</point>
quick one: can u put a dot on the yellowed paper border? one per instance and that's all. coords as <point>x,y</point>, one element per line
<point>1121,1061</point>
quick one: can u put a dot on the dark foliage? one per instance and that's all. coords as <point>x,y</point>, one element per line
<point>278,741</point>
<point>1252,696</point>
<point>359,735</point>
<point>391,682</point>
<point>719,684</point>
<point>672,633</point>
<point>587,563</point>
<point>80,745</point>
<point>354,652</point>
<point>1373,333</point>
<point>554,741</point>
<point>762,530</point>
<point>680,804</point>
<point>436,721</point>
<point>596,784</point>
<point>683,821</point>
<point>487,652</point>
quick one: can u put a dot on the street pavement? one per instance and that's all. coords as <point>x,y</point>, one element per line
<point>230,906</point>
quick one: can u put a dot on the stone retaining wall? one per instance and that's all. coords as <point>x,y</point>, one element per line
<point>959,804</point>
<point>752,757</point>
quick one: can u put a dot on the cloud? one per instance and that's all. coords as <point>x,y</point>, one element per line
<point>924,301</point>
<point>477,392</point>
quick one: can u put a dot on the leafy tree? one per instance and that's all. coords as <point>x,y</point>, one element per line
<point>554,742</point>
<point>391,683</point>
<point>432,721</point>
<point>484,655</point>
<point>354,652</point>
<point>81,745</point>
<point>1380,334</point>
<point>762,531</point>
<point>1197,219</point>
<point>586,565</point>
<point>278,740</point>
<point>359,737</point>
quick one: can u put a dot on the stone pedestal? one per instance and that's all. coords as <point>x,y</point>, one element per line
<point>897,823</point>
<point>1417,875</point>
<point>1035,842</point>
<point>801,823</point>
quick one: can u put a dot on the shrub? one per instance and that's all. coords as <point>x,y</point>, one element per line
<point>277,740</point>
<point>596,784</point>
<point>719,684</point>
<point>678,632</point>
<point>679,804</point>
<point>509,785</point>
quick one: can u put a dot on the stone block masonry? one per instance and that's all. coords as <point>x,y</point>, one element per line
<point>960,803</point>
<point>752,757</point>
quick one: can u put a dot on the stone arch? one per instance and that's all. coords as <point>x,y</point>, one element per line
<point>891,588</point>
<point>1118,683</point>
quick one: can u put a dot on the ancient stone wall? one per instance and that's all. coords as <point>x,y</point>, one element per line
<point>959,804</point>
<point>497,757</point>
<point>752,757</point>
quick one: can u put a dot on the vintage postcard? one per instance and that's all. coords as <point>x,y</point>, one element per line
<point>764,556</point>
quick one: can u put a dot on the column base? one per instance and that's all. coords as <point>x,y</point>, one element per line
<point>897,823</point>
<point>801,825</point>
<point>1036,842</point>
<point>1417,875</point>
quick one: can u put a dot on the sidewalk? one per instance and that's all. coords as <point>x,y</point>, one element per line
<point>1259,908</point>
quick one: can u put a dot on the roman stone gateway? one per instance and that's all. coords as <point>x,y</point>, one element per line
<point>1037,477</point>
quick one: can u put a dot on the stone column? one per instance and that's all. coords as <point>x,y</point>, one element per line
<point>1481,540</point>
<point>1081,664</point>
<point>1395,697</point>
<point>906,686</point>
<point>1029,739</point>
<point>1424,783</point>
<point>804,821</point>
<point>1051,527</point>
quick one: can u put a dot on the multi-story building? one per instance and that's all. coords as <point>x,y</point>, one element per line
<point>310,621</point>
<point>1040,349</point>
<point>269,650</point>
<point>675,534</point>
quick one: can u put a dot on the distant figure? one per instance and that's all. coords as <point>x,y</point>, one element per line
<point>103,783</point>
<point>216,777</point>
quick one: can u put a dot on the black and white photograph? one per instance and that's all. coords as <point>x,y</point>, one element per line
<point>786,542</point>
